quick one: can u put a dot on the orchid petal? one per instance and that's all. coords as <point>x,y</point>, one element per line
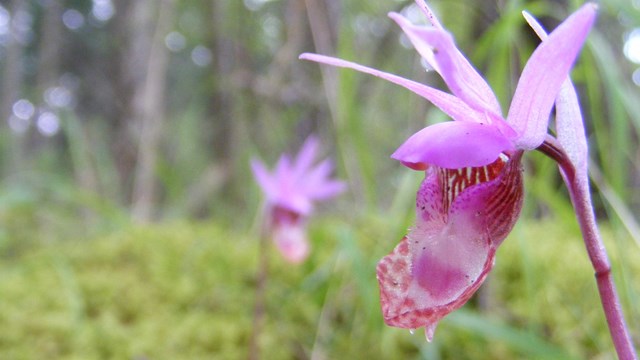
<point>438,48</point>
<point>263,178</point>
<point>307,154</point>
<point>449,104</point>
<point>570,129</point>
<point>494,205</point>
<point>318,173</point>
<point>535,25</point>
<point>454,145</point>
<point>291,240</point>
<point>543,76</point>
<point>327,190</point>
<point>283,169</point>
<point>317,186</point>
<point>409,300</point>
<point>424,48</point>
<point>429,14</point>
<point>569,124</point>
<point>440,264</point>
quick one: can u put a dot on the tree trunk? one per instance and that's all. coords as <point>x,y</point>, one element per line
<point>50,46</point>
<point>149,111</point>
<point>12,82</point>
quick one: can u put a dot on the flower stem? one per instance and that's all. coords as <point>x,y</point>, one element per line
<point>581,199</point>
<point>260,306</point>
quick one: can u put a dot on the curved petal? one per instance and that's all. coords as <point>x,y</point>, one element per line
<point>449,104</point>
<point>438,48</point>
<point>453,145</point>
<point>543,76</point>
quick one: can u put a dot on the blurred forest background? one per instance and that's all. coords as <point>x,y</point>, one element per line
<point>129,216</point>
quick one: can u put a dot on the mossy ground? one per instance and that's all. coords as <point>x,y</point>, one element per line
<point>186,291</point>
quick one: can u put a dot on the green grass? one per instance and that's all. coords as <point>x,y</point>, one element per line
<point>185,290</point>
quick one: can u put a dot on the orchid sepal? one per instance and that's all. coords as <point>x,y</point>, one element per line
<point>543,76</point>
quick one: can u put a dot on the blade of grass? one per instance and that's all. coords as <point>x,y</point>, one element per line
<point>524,341</point>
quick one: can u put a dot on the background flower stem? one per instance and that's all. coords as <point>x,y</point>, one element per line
<point>259,309</point>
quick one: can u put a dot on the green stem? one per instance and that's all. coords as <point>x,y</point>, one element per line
<point>259,310</point>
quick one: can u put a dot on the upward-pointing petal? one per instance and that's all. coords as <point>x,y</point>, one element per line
<point>305,157</point>
<point>429,14</point>
<point>569,125</point>
<point>438,48</point>
<point>535,25</point>
<point>543,76</point>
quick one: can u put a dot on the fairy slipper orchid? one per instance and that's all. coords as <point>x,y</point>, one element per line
<point>472,192</point>
<point>290,192</point>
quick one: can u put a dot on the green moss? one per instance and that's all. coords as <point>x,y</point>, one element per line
<point>186,290</point>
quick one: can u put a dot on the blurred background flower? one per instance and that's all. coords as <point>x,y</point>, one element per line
<point>290,190</point>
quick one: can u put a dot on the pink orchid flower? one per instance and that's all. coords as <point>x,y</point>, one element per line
<point>290,192</point>
<point>472,193</point>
